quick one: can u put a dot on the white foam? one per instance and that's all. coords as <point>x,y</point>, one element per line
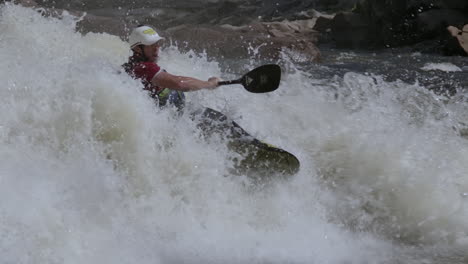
<point>446,67</point>
<point>92,172</point>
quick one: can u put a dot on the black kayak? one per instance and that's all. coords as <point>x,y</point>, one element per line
<point>259,160</point>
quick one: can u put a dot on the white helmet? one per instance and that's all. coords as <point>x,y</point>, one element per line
<point>143,35</point>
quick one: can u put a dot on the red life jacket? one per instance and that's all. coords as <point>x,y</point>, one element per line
<point>139,68</point>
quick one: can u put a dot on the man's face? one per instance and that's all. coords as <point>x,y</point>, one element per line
<point>152,51</point>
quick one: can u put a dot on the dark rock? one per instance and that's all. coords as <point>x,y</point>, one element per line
<point>26,3</point>
<point>453,4</point>
<point>323,23</point>
<point>335,5</point>
<point>350,30</point>
<point>457,43</point>
<point>432,23</point>
<point>396,23</point>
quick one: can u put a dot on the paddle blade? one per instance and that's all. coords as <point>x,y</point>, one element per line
<point>263,79</point>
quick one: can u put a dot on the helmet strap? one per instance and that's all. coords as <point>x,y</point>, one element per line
<point>142,52</point>
<point>138,55</point>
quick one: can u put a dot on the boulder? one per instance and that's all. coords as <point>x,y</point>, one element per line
<point>102,24</point>
<point>324,23</point>
<point>458,44</point>
<point>432,23</point>
<point>350,30</point>
<point>453,4</point>
<point>27,3</point>
<point>267,41</point>
<point>396,23</point>
<point>463,39</point>
<point>261,40</point>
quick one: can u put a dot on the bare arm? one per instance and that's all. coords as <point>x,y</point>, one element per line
<point>183,83</point>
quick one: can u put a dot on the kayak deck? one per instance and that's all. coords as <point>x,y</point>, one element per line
<point>258,159</point>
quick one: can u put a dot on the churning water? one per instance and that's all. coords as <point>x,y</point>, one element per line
<point>92,172</point>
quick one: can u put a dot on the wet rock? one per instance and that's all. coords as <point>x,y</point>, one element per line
<point>458,43</point>
<point>295,39</point>
<point>335,5</point>
<point>102,24</point>
<point>350,30</point>
<point>323,23</point>
<point>233,12</point>
<point>259,40</point>
<point>26,3</point>
<point>452,4</point>
<point>269,41</point>
<point>431,23</point>
<point>265,40</point>
<point>396,23</point>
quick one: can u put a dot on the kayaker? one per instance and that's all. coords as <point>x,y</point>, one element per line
<point>162,86</point>
<point>165,88</point>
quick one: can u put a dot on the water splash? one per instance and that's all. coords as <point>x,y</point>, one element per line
<point>92,172</point>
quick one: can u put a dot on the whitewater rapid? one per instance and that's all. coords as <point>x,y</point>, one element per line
<point>92,172</point>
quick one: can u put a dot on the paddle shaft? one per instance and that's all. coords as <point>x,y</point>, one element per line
<point>230,82</point>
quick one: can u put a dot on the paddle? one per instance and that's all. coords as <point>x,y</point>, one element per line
<point>263,79</point>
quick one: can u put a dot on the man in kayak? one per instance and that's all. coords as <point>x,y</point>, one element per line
<point>166,88</point>
<point>161,85</point>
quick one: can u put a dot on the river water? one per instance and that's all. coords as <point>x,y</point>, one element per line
<point>92,172</point>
